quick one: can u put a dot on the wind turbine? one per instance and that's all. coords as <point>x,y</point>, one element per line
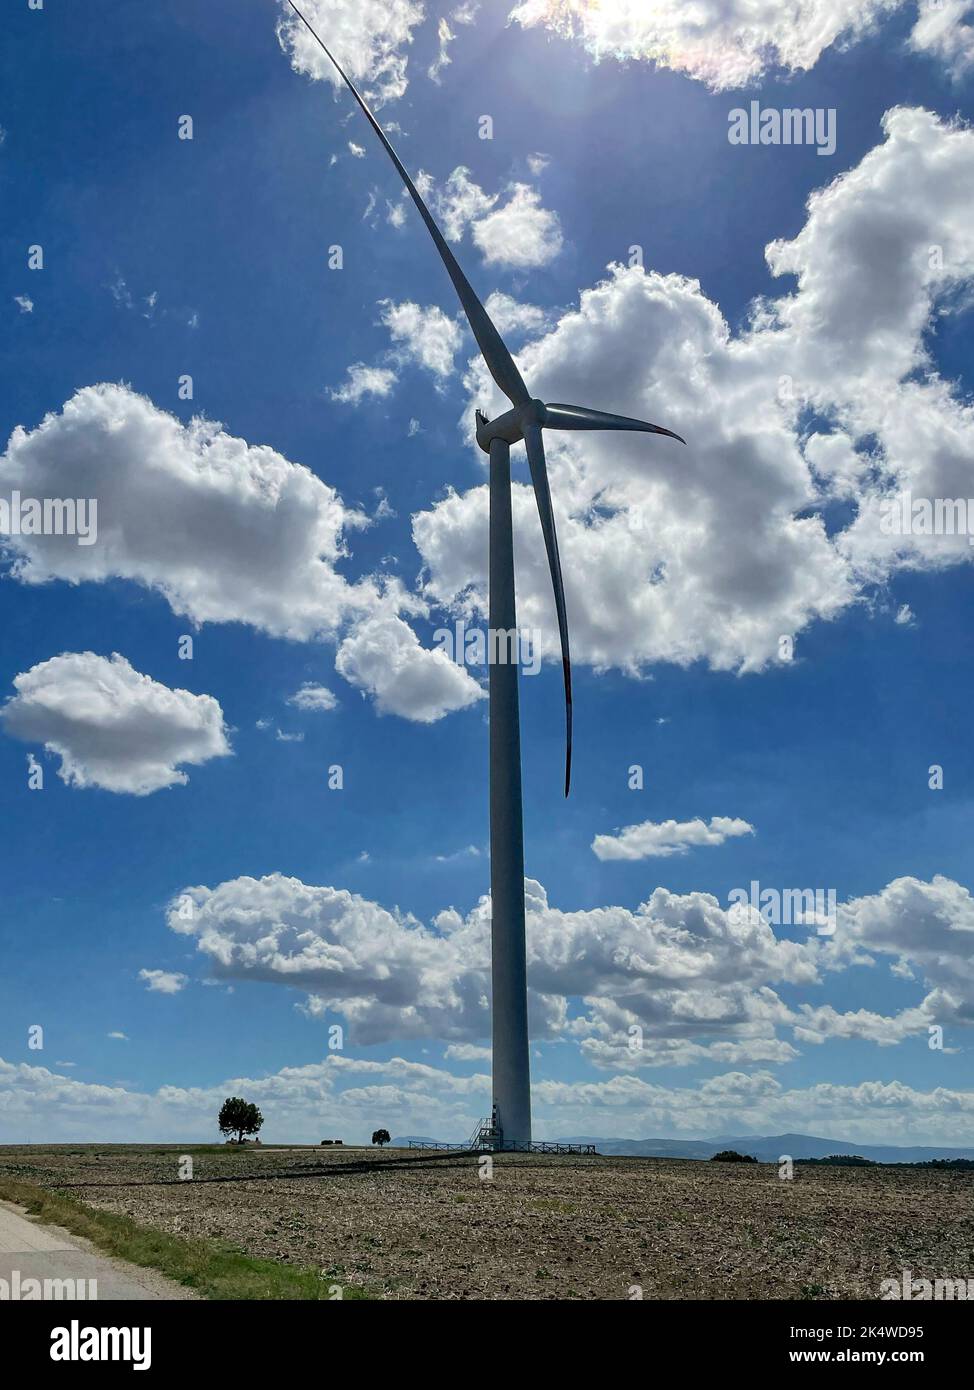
<point>511,1081</point>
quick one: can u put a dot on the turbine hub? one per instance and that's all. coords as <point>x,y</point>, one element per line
<point>511,425</point>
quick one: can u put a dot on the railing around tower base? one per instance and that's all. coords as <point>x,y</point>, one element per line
<point>488,1139</point>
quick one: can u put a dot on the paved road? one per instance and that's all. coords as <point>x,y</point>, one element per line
<point>31,1251</point>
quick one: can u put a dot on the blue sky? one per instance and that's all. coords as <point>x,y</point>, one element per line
<point>210,257</point>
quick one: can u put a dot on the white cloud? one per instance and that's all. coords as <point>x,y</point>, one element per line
<point>163,981</point>
<point>412,1097</point>
<point>111,726</point>
<point>364,380</point>
<point>24,303</point>
<point>425,336</point>
<point>118,1037</point>
<point>313,697</point>
<point>512,317</point>
<point>224,530</point>
<point>352,1092</point>
<point>383,656</point>
<point>733,43</point>
<point>929,926</point>
<point>467,1052</point>
<point>681,966</point>
<point>715,551</point>
<point>652,840</point>
<point>697,982</point>
<point>942,31</point>
<point>368,37</point>
<point>458,203</point>
<point>388,975</point>
<point>522,233</point>
<point>519,234</point>
<point>463,14</point>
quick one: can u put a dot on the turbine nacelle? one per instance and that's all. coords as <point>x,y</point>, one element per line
<point>511,426</point>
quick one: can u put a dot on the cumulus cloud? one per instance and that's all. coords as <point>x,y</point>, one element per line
<point>715,551</point>
<point>926,928</point>
<point>519,233</point>
<point>680,980</point>
<point>363,380</point>
<point>467,1052</point>
<point>681,966</point>
<point>942,31</point>
<point>164,981</point>
<point>313,697</point>
<point>386,973</point>
<point>368,37</point>
<point>422,335</point>
<point>733,43</point>
<point>383,656</point>
<point>522,233</point>
<point>414,1097</point>
<point>224,530</point>
<point>350,1091</point>
<point>111,726</point>
<point>511,317</point>
<point>658,840</point>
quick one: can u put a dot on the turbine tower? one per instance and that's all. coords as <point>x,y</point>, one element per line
<point>511,1082</point>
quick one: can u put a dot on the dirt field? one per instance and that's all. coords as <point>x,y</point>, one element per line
<point>408,1225</point>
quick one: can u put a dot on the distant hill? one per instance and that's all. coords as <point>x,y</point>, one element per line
<point>766,1148</point>
<point>769,1148</point>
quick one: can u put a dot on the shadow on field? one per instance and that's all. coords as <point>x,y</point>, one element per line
<point>331,1170</point>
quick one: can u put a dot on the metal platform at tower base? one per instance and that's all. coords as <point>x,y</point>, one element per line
<point>488,1137</point>
<point>544,1147</point>
<point>539,1147</point>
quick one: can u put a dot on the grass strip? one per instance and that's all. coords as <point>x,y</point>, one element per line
<point>211,1268</point>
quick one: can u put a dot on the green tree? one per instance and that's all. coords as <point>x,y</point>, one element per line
<point>380,1137</point>
<point>239,1117</point>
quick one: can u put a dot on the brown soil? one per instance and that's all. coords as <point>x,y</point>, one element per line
<point>410,1225</point>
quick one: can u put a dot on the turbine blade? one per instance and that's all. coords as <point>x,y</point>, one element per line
<point>499,361</point>
<point>534,444</point>
<point>579,417</point>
